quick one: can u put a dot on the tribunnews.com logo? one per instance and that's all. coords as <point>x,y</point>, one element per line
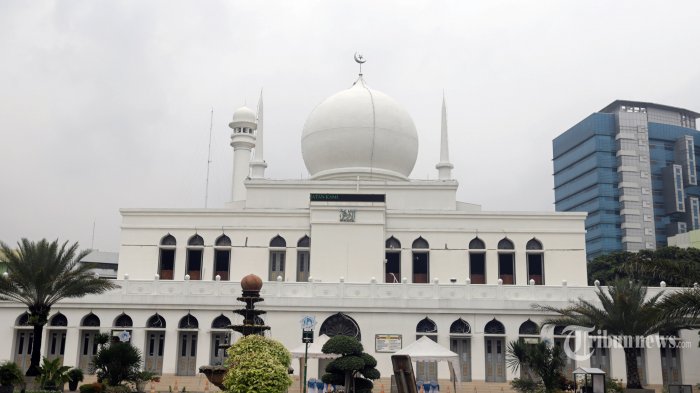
<point>587,339</point>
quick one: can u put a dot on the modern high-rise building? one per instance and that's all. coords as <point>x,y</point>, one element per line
<point>632,167</point>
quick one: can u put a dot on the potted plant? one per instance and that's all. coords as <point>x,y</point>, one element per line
<point>53,375</point>
<point>141,378</point>
<point>76,376</point>
<point>10,374</point>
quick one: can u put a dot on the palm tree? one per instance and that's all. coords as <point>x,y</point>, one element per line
<point>543,359</point>
<point>39,274</point>
<point>682,304</point>
<point>624,311</point>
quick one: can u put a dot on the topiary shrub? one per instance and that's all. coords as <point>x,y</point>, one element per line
<point>257,365</point>
<point>354,367</point>
<point>117,362</point>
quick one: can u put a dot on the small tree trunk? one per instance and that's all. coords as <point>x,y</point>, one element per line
<point>348,382</point>
<point>33,369</point>
<point>633,381</point>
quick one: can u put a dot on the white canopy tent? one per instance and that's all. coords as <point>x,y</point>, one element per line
<point>314,352</point>
<point>427,350</point>
<point>315,349</point>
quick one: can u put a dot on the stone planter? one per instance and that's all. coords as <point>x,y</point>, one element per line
<point>215,375</point>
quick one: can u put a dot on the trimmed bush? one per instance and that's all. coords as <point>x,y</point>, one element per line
<point>92,388</point>
<point>257,365</point>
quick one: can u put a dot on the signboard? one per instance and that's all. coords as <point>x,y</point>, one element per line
<point>387,342</point>
<point>307,336</point>
<point>347,197</point>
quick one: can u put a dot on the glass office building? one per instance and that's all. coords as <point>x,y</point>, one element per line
<point>632,167</point>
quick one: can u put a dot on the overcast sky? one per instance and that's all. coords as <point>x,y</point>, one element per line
<point>106,105</point>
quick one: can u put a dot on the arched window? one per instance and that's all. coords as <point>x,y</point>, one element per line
<point>426,326</point>
<point>505,244</point>
<point>535,261</point>
<point>221,322</point>
<point>278,253</point>
<point>506,261</point>
<point>188,322</point>
<point>340,324</point>
<point>494,327</point>
<point>529,328</point>
<point>196,240</point>
<point>222,257</point>
<point>421,261</point>
<point>393,243</point>
<point>304,242</point>
<point>477,261</point>
<point>278,242</point>
<point>90,320</point>
<point>195,252</point>
<point>22,320</point>
<point>223,241</point>
<point>477,244</point>
<point>303,259</point>
<point>168,240</point>
<point>392,261</point>
<point>156,321</point>
<point>460,326</point>
<point>166,259</point>
<point>123,321</point>
<point>533,244</point>
<point>426,370</point>
<point>58,320</point>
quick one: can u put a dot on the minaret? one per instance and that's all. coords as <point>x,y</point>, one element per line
<point>243,125</point>
<point>444,167</point>
<point>258,165</point>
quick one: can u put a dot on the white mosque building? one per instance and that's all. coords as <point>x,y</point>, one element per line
<point>362,247</point>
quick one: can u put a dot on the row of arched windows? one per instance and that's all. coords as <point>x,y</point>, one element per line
<point>156,321</point>
<point>420,264</point>
<point>477,261</point>
<point>393,243</point>
<point>222,258</point>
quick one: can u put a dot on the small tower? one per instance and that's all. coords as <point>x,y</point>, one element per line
<point>243,125</point>
<point>258,165</point>
<point>444,167</point>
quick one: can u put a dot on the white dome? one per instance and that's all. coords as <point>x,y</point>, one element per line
<point>245,117</point>
<point>359,132</point>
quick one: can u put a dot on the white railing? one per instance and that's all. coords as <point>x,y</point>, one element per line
<point>341,293</point>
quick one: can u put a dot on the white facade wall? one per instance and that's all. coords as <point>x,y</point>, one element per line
<point>377,308</point>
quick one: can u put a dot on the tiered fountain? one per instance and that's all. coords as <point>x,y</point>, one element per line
<point>252,324</point>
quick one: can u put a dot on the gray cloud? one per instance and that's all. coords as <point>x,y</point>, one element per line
<point>106,104</point>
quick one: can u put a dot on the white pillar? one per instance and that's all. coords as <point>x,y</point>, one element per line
<point>478,357</point>
<point>70,356</point>
<point>170,351</point>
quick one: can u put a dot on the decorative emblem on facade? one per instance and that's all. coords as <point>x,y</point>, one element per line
<point>347,215</point>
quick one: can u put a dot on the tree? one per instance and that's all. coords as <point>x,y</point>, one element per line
<point>354,369</point>
<point>682,304</point>
<point>543,359</point>
<point>624,311</point>
<point>257,364</point>
<point>117,362</point>
<point>39,274</point>
<point>678,267</point>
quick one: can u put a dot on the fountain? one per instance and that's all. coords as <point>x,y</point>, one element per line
<point>252,324</point>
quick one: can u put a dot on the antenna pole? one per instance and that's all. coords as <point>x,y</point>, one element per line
<point>206,188</point>
<point>92,242</point>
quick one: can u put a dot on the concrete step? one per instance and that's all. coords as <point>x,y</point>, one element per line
<point>199,384</point>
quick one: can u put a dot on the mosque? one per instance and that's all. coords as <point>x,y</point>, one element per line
<point>359,245</point>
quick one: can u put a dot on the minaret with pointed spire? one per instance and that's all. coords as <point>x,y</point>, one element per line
<point>258,165</point>
<point>444,167</point>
